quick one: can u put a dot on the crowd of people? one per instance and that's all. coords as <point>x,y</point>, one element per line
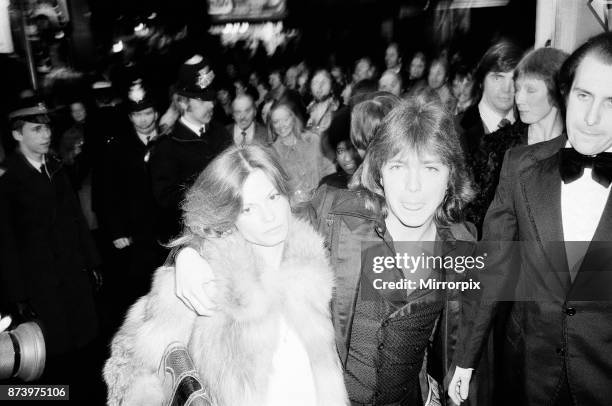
<point>231,219</point>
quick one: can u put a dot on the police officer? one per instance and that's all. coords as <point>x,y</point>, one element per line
<point>46,251</point>
<point>195,140</point>
<point>128,203</point>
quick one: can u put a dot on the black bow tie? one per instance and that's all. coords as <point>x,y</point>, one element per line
<point>572,164</point>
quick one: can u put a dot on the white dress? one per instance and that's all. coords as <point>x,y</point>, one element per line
<point>291,382</point>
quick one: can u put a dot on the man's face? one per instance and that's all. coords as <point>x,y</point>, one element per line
<point>291,78</point>
<point>199,111</point>
<point>78,112</point>
<point>363,70</point>
<point>392,59</point>
<point>437,76</point>
<point>320,86</point>
<point>34,138</point>
<point>274,80</point>
<point>498,91</point>
<point>144,120</point>
<point>389,83</point>
<point>589,107</point>
<point>244,112</point>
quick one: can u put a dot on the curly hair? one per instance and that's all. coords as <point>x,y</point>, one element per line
<point>419,124</point>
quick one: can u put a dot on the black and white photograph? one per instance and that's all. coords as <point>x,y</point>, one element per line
<point>306,202</point>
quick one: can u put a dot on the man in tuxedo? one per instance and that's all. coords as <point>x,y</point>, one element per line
<point>494,77</point>
<point>558,334</point>
<point>246,130</point>
<point>195,141</point>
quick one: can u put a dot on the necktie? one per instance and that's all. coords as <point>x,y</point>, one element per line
<point>202,130</point>
<point>43,170</point>
<point>243,133</point>
<point>503,123</point>
<point>572,164</point>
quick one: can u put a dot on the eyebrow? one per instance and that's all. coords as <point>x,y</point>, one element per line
<point>579,89</point>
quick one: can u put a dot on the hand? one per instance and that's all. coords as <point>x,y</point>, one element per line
<point>4,322</point>
<point>195,282</point>
<point>459,387</point>
<point>121,243</point>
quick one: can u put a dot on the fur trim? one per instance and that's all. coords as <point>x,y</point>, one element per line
<point>234,348</point>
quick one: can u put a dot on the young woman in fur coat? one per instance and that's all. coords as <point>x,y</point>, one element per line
<point>270,341</point>
<point>395,335</point>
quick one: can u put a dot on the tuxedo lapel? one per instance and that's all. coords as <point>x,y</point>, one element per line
<point>541,188</point>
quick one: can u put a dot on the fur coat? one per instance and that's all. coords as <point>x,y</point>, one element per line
<point>233,350</point>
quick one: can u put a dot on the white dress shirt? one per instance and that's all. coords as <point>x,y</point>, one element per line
<point>491,118</point>
<point>146,138</point>
<point>248,138</point>
<point>35,164</point>
<point>193,127</point>
<point>582,204</point>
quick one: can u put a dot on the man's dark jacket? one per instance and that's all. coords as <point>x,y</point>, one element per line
<point>555,324</point>
<point>45,249</point>
<point>176,162</point>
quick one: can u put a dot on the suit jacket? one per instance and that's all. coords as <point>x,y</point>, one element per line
<point>472,132</point>
<point>45,247</point>
<point>260,135</point>
<point>554,325</point>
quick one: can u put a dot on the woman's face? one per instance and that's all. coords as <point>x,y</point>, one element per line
<point>532,101</point>
<point>282,121</point>
<point>462,88</point>
<point>417,67</point>
<point>264,219</point>
<point>437,76</point>
<point>414,187</point>
<point>347,157</point>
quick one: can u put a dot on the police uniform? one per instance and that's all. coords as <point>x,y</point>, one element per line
<point>183,154</point>
<point>129,206</point>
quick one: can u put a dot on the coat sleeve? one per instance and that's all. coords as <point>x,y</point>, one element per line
<point>165,178</point>
<point>500,229</point>
<point>157,320</point>
<point>114,188</point>
<point>12,284</point>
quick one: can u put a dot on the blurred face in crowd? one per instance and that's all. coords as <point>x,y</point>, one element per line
<point>392,58</point>
<point>144,120</point>
<point>199,111</point>
<point>589,107</point>
<point>338,75</point>
<point>498,91</point>
<point>275,80</point>
<point>532,99</point>
<point>239,88</point>
<point>320,86</point>
<point>437,76</point>
<point>417,67</point>
<point>282,121</point>
<point>34,139</point>
<point>389,82</point>
<point>243,111</point>
<point>462,88</point>
<point>264,219</point>
<point>253,79</point>
<point>303,82</point>
<point>78,112</point>
<point>415,186</point>
<point>347,157</point>
<point>223,96</point>
<point>291,78</point>
<point>363,70</point>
